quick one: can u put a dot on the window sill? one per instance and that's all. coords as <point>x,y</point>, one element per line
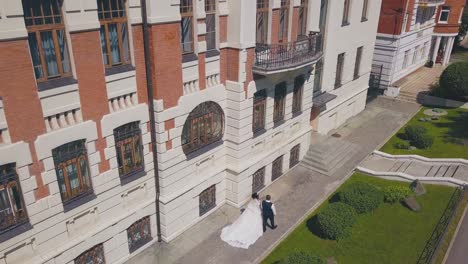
<point>78,201</point>
<point>140,244</point>
<point>189,57</point>
<point>364,19</point>
<point>197,152</point>
<point>15,230</point>
<point>344,24</point>
<point>119,69</point>
<point>212,53</point>
<point>356,77</point>
<point>338,86</point>
<point>278,123</point>
<point>132,176</point>
<point>259,132</point>
<point>296,114</point>
<point>55,83</point>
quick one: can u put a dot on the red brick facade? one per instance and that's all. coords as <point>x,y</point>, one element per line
<point>453,24</point>
<point>392,17</point>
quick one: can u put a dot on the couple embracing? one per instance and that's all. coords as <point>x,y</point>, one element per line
<point>251,223</point>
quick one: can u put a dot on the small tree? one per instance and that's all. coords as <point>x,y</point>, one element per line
<point>453,83</point>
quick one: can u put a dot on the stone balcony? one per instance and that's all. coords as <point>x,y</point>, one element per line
<point>281,57</point>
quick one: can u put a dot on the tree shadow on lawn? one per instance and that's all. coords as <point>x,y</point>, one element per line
<point>313,227</point>
<point>457,127</point>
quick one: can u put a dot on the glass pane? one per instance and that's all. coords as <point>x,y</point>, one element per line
<point>63,51</point>
<point>73,178</point>
<point>84,172</point>
<point>128,155</point>
<point>35,56</point>
<point>125,44</point>
<point>46,8</point>
<point>114,43</point>
<point>138,148</point>
<point>186,34</point>
<point>5,206</point>
<point>48,48</point>
<point>104,46</point>
<point>16,198</point>
<point>61,181</point>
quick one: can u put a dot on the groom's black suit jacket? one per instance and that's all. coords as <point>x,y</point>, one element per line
<point>266,208</point>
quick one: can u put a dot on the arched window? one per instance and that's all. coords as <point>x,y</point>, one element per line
<point>12,209</point>
<point>204,125</point>
<point>71,164</point>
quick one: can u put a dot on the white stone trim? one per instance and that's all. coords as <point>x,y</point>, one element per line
<point>113,120</point>
<point>420,158</point>
<point>47,142</point>
<point>17,152</point>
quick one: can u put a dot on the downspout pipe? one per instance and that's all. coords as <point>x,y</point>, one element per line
<point>149,90</point>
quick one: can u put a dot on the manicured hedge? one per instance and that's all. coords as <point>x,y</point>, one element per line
<point>393,194</point>
<point>453,82</point>
<point>303,258</point>
<point>362,196</point>
<point>336,220</point>
<point>418,136</point>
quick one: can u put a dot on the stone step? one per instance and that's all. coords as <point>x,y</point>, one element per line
<point>452,169</point>
<point>404,166</point>
<point>396,166</point>
<point>432,171</point>
<point>442,170</point>
<point>314,168</point>
<point>331,153</point>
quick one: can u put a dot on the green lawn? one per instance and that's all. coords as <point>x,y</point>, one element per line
<point>391,234</point>
<point>447,131</point>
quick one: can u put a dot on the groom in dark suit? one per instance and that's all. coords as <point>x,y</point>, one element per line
<point>268,212</point>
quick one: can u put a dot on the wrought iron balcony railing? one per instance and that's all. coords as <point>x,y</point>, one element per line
<point>270,58</point>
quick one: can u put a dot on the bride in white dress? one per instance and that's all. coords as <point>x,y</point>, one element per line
<point>247,228</point>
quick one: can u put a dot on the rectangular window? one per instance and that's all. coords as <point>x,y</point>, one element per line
<point>415,54</point>
<point>405,59</point>
<point>114,32</point>
<point>46,37</point>
<point>346,7</point>
<point>318,77</point>
<point>258,180</point>
<point>297,94</point>
<point>186,26</point>
<point>139,233</point>
<point>207,200</point>
<point>95,255</point>
<point>302,32</point>
<point>71,165</point>
<point>339,70</point>
<point>280,99</point>
<point>365,9</point>
<point>262,21</point>
<point>277,168</point>
<point>210,9</point>
<point>357,63</point>
<point>294,156</point>
<point>12,209</point>
<point>129,149</point>
<point>444,14</point>
<point>259,109</point>
<point>284,21</point>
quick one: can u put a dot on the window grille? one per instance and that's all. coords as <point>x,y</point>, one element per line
<point>258,180</point>
<point>204,126</point>
<point>294,156</point>
<point>129,149</point>
<point>277,168</point>
<point>297,94</point>
<point>71,165</point>
<point>207,200</point>
<point>259,110</point>
<point>12,208</point>
<point>139,233</point>
<point>94,255</point>
<point>280,100</point>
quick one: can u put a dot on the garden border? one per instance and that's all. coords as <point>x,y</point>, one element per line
<point>458,161</point>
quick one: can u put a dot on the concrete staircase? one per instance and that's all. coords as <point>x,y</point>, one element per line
<point>408,97</point>
<point>327,154</point>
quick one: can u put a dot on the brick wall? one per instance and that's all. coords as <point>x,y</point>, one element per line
<point>452,27</point>
<point>274,31</point>
<point>411,14</point>
<point>223,56</point>
<point>90,74</point>
<point>165,47</point>
<point>295,24</point>
<point>23,109</point>
<point>139,54</point>
<point>391,20</point>
<point>232,64</point>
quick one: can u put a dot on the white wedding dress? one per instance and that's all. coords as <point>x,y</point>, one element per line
<point>246,229</point>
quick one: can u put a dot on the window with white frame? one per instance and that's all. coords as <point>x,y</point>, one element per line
<point>186,26</point>
<point>210,9</point>
<point>365,9</point>
<point>415,54</point>
<point>346,7</point>
<point>444,14</point>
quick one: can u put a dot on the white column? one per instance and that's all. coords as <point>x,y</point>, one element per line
<point>436,49</point>
<point>448,50</point>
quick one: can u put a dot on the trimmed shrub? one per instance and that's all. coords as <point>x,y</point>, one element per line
<point>414,131</point>
<point>402,145</point>
<point>303,258</point>
<point>454,81</point>
<point>423,141</point>
<point>394,194</point>
<point>336,220</point>
<point>362,196</point>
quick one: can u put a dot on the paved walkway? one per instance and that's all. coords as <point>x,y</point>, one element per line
<point>295,194</point>
<point>420,80</point>
<point>417,168</point>
<point>458,253</point>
